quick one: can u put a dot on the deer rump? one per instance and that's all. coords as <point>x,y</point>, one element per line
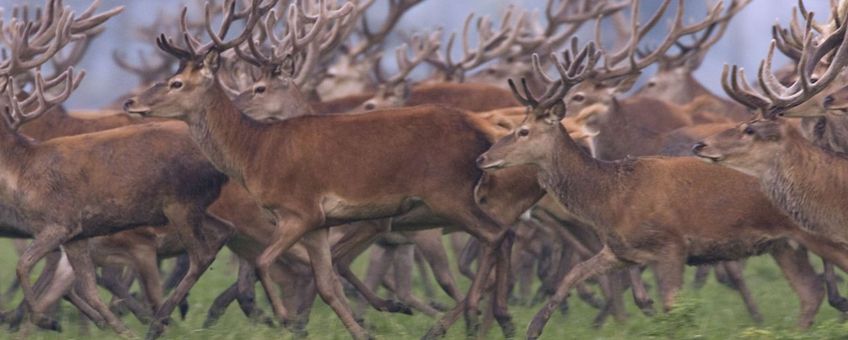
<point>84,170</point>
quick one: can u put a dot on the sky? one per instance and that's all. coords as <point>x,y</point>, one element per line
<point>745,43</point>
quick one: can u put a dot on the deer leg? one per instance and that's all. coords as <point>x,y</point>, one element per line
<point>147,272</point>
<point>113,284</point>
<point>402,263</point>
<point>433,250</point>
<point>466,258</point>
<point>669,273</point>
<point>329,287</point>
<point>80,259</point>
<point>702,272</point>
<point>601,263</point>
<point>502,286</point>
<point>45,242</point>
<point>734,273</point>
<point>220,304</point>
<point>640,294</point>
<point>177,273</point>
<point>215,234</point>
<point>349,247</point>
<point>378,266</point>
<point>803,279</point>
<point>423,274</point>
<point>833,298</point>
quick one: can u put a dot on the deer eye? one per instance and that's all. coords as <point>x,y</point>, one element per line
<point>523,132</point>
<point>578,97</point>
<point>370,106</point>
<point>651,84</point>
<point>176,84</point>
<point>259,90</point>
<point>748,131</point>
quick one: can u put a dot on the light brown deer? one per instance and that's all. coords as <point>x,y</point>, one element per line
<point>736,225</point>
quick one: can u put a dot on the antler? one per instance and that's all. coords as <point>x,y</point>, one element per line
<point>421,49</point>
<point>831,51</point>
<point>195,50</point>
<point>397,8</point>
<point>635,61</point>
<point>572,70</point>
<point>490,44</point>
<point>711,35</point>
<point>300,47</point>
<point>145,70</point>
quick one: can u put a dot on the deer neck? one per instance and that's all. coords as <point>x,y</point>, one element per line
<point>224,135</point>
<point>804,181</point>
<point>577,180</point>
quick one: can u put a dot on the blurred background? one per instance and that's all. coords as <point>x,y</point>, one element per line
<point>745,43</point>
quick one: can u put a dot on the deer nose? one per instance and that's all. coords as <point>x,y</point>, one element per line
<point>828,101</point>
<point>128,103</point>
<point>698,147</point>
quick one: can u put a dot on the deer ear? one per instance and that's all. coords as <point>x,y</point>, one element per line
<point>626,83</point>
<point>557,112</point>
<point>211,62</point>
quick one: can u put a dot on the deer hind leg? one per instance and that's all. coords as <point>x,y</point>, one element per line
<point>490,233</point>
<point>641,297</point>
<point>46,241</point>
<point>348,248</point>
<point>110,280</point>
<point>329,287</point>
<point>803,279</point>
<point>831,283</point>
<point>424,277</point>
<point>429,243</point>
<point>203,235</point>
<point>466,257</point>
<point>80,259</point>
<point>403,263</point>
<point>147,272</point>
<point>669,273</point>
<point>601,263</point>
<point>734,273</point>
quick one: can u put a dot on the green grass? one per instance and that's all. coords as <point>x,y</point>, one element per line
<point>713,312</point>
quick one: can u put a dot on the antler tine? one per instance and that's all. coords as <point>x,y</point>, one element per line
<point>537,67</point>
<point>490,45</point>
<point>711,35</point>
<point>635,65</point>
<point>805,87</point>
<point>145,71</point>
<point>74,56</point>
<point>527,98</point>
<point>638,31</point>
<point>572,70</point>
<point>397,8</point>
<point>421,49</point>
<point>25,56</point>
<point>730,82</point>
<point>16,112</point>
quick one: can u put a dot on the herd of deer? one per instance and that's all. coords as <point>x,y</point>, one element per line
<point>265,138</point>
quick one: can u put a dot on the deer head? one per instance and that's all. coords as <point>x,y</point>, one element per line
<point>674,81</point>
<point>748,148</point>
<point>189,88</point>
<point>289,60</point>
<point>532,140</point>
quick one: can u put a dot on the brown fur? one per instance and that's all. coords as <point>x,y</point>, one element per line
<point>687,230</point>
<point>372,182</point>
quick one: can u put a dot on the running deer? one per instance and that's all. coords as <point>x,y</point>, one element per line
<point>387,183</point>
<point>65,203</point>
<point>699,224</point>
<point>776,153</point>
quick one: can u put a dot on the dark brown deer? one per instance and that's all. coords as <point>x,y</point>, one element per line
<point>603,193</point>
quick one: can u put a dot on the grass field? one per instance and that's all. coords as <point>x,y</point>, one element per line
<point>713,312</point>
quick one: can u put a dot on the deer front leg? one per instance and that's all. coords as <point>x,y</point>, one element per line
<point>216,233</point>
<point>734,273</point>
<point>601,263</point>
<point>803,279</point>
<point>318,246</point>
